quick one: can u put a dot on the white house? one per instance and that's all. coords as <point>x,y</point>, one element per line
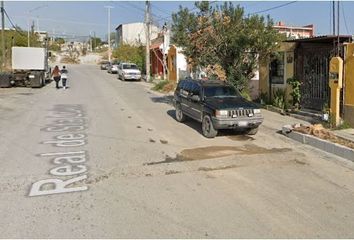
<point>134,33</point>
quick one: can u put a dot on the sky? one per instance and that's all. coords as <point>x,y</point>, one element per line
<point>82,18</point>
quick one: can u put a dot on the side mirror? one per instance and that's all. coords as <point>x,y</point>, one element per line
<point>195,98</point>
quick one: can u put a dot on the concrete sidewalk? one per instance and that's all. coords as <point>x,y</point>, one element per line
<point>345,133</point>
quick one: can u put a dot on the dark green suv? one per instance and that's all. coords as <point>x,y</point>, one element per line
<point>217,105</point>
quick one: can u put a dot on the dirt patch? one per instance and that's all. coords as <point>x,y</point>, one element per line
<point>163,141</point>
<point>319,131</point>
<point>138,126</point>
<point>300,162</point>
<point>152,140</point>
<point>171,172</point>
<point>129,116</point>
<point>240,138</point>
<point>211,152</point>
<point>206,169</point>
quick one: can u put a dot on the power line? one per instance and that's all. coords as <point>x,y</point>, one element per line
<point>273,8</point>
<point>345,19</point>
<point>13,25</point>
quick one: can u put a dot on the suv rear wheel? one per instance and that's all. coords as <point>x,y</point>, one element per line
<point>207,127</point>
<point>179,114</point>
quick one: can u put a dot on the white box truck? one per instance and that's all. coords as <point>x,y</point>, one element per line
<point>30,66</point>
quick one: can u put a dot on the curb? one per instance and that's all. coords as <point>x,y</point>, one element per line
<point>324,145</point>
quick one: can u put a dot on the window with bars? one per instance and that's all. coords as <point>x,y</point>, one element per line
<point>277,69</point>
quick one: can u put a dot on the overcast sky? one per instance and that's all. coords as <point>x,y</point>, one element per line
<point>81,18</point>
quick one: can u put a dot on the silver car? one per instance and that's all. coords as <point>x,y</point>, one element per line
<point>129,71</point>
<point>113,67</point>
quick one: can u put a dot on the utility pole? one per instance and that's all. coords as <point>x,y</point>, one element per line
<point>2,35</point>
<point>334,17</point>
<point>338,27</point>
<point>109,32</point>
<point>147,33</point>
<point>90,42</point>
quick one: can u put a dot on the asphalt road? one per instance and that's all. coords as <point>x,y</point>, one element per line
<point>106,159</point>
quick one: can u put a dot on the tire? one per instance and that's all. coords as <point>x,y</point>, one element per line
<point>180,117</point>
<point>252,131</point>
<point>208,129</point>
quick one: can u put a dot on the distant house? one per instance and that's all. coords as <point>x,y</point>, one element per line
<point>42,35</point>
<point>294,32</point>
<point>134,33</point>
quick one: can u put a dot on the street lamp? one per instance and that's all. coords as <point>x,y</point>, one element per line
<point>109,31</point>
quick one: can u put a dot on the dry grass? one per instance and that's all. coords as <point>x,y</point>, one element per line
<point>319,131</point>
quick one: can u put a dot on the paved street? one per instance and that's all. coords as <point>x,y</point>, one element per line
<point>140,174</point>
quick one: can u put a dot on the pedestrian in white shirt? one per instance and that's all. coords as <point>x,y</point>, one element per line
<point>64,76</point>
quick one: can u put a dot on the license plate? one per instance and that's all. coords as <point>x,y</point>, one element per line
<point>242,123</point>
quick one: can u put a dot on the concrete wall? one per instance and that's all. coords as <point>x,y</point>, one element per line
<point>181,65</point>
<point>288,49</point>
<point>349,84</point>
<point>134,33</point>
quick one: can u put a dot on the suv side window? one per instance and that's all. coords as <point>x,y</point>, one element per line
<point>183,88</point>
<point>195,89</point>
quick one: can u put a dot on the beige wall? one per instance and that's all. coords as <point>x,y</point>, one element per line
<point>349,85</point>
<point>288,49</point>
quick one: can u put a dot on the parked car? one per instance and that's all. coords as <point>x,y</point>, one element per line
<point>216,105</point>
<point>113,67</point>
<point>129,71</point>
<point>104,65</point>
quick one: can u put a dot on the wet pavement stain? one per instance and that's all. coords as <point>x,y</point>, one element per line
<point>207,169</point>
<point>240,138</point>
<point>163,141</point>
<point>211,152</point>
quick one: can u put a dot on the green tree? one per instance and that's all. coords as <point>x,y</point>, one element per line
<point>59,40</point>
<point>129,53</point>
<point>96,41</point>
<point>17,38</point>
<point>223,38</point>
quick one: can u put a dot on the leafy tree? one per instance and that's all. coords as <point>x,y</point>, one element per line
<point>223,39</point>
<point>59,40</point>
<point>96,41</point>
<point>129,53</point>
<point>18,38</point>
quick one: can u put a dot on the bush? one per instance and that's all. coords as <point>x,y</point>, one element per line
<point>279,98</point>
<point>132,54</point>
<point>160,85</point>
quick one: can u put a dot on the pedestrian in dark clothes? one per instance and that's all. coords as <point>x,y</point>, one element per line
<point>56,76</point>
<point>64,76</point>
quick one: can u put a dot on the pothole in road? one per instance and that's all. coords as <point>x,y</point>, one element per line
<point>211,152</point>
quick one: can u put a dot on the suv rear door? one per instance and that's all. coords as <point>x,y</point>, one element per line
<point>195,106</point>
